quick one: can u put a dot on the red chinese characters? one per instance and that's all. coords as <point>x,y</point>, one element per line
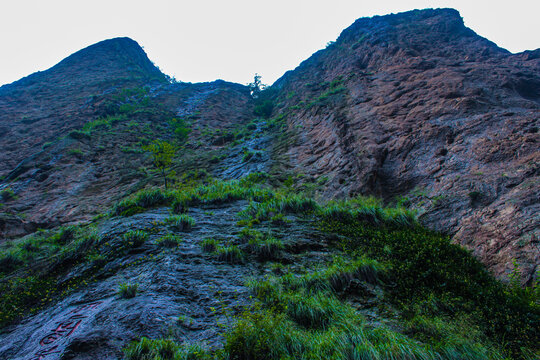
<point>63,330</point>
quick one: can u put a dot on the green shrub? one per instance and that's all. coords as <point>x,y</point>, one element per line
<point>368,210</point>
<point>264,109</point>
<point>315,311</point>
<point>127,290</point>
<point>147,349</point>
<point>65,235</point>
<point>432,277</point>
<point>272,206</point>
<point>338,276</point>
<point>247,234</point>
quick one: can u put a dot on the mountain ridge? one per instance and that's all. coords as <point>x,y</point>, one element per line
<point>334,214</point>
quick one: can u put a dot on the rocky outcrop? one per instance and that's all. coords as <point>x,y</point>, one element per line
<point>59,178</point>
<point>48,104</point>
<point>417,107</point>
<point>412,107</point>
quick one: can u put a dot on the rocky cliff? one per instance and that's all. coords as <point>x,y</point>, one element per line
<point>318,220</point>
<point>417,108</point>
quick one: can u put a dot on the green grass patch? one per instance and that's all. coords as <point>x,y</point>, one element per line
<point>230,254</point>
<point>127,290</point>
<point>181,222</point>
<point>134,239</point>
<point>169,241</point>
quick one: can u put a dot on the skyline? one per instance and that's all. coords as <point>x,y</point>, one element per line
<point>232,41</point>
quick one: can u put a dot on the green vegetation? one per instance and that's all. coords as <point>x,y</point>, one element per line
<point>169,241</point>
<point>162,154</point>
<point>302,316</point>
<point>440,301</point>
<point>180,129</point>
<point>230,254</point>
<point>215,192</point>
<point>266,249</point>
<point>76,152</point>
<point>432,277</point>
<point>263,96</point>
<point>144,199</point>
<point>434,300</point>
<point>181,222</point>
<point>147,349</point>
<point>40,246</point>
<point>209,245</point>
<point>335,91</point>
<point>127,290</point>
<point>30,269</point>
<point>7,194</point>
<point>134,238</point>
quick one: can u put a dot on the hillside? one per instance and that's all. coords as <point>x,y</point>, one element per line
<point>365,206</point>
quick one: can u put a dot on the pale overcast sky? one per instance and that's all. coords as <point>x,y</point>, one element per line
<point>204,40</point>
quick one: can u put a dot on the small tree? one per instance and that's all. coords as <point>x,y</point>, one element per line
<point>162,155</point>
<point>256,86</point>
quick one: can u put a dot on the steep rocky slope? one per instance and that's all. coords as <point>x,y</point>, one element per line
<point>417,108</point>
<point>72,135</point>
<point>413,108</point>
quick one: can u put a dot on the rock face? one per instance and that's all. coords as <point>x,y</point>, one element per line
<point>58,178</point>
<point>414,108</point>
<point>417,107</point>
<point>48,104</point>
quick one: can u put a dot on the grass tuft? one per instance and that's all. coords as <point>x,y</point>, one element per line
<point>134,238</point>
<point>127,290</point>
<point>181,222</point>
<point>230,254</point>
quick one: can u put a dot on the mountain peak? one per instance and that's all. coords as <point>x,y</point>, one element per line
<point>111,61</point>
<point>121,52</point>
<point>426,29</point>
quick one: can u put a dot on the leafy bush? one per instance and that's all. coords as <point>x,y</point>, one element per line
<point>369,210</point>
<point>314,311</point>
<point>432,277</point>
<point>65,235</point>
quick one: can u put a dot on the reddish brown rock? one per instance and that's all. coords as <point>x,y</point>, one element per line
<point>418,105</point>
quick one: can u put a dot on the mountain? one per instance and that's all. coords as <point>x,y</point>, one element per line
<point>419,108</point>
<point>378,201</point>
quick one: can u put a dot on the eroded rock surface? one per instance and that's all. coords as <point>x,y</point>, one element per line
<point>417,106</point>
